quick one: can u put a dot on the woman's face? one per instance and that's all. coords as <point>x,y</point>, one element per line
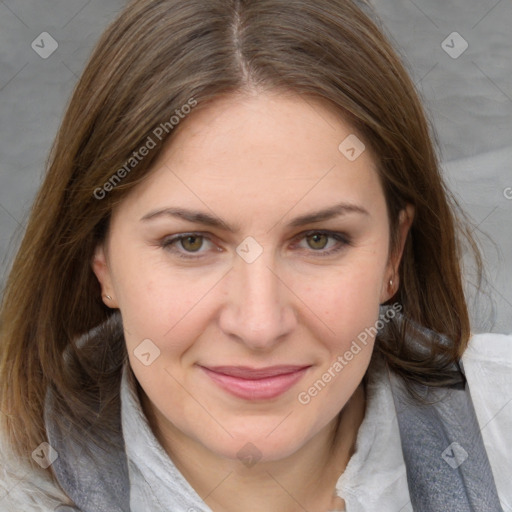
<point>252,183</point>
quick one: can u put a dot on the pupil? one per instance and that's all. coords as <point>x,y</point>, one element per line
<point>315,240</point>
<point>192,246</point>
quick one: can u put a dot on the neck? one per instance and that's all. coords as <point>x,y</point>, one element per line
<point>304,480</point>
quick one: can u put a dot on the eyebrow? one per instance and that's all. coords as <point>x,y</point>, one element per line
<point>198,217</point>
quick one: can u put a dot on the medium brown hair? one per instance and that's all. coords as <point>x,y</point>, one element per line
<point>155,57</point>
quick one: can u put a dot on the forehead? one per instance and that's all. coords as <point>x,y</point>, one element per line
<point>261,127</point>
<point>254,151</point>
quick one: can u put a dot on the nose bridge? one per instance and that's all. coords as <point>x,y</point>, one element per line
<point>259,286</point>
<point>259,310</point>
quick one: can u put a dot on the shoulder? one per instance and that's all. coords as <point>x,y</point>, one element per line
<point>25,488</point>
<point>487,363</point>
<point>490,346</point>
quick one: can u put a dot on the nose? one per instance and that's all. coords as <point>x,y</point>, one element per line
<point>259,307</point>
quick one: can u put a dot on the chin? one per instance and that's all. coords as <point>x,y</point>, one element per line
<point>252,445</point>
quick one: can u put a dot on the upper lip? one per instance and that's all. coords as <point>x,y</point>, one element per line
<point>245,372</point>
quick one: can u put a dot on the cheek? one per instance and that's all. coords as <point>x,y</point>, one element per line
<point>153,296</point>
<point>350,310</point>
<point>348,298</point>
<point>163,309</point>
<point>347,303</point>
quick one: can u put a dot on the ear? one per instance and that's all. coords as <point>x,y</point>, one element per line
<point>101,269</point>
<point>405,219</point>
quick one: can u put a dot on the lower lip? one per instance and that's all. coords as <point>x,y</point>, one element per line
<point>256,389</point>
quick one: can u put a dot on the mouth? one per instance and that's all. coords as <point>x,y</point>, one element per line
<point>255,383</point>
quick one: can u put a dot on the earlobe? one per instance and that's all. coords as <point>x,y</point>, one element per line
<point>389,289</point>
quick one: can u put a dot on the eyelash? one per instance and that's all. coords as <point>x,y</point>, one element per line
<point>343,240</point>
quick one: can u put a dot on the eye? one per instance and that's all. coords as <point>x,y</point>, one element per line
<point>190,243</point>
<point>319,240</point>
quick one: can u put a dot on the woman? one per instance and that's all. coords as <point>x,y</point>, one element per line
<point>239,288</point>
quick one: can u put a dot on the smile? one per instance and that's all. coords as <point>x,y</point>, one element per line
<point>255,384</point>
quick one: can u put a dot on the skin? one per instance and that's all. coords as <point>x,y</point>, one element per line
<point>257,161</point>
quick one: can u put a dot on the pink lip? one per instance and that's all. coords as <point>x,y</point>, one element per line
<point>255,383</point>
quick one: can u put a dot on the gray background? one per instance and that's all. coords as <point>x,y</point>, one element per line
<point>468,98</point>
